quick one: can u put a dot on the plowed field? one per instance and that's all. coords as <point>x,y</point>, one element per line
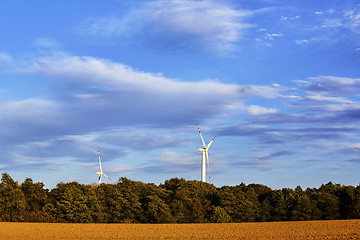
<point>347,229</point>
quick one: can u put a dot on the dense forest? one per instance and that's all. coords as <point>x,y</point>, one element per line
<point>175,201</point>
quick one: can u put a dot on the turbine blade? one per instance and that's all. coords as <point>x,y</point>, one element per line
<point>106,176</point>
<point>208,164</point>
<point>202,139</point>
<point>211,142</point>
<point>99,160</point>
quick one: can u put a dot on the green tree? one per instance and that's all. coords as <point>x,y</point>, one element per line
<point>278,206</point>
<point>74,202</point>
<point>190,201</point>
<point>356,211</point>
<point>129,204</point>
<point>110,199</point>
<point>36,198</point>
<point>328,204</point>
<point>347,201</point>
<point>240,202</point>
<point>35,195</point>
<point>12,199</point>
<point>219,215</point>
<point>302,209</point>
<point>155,210</point>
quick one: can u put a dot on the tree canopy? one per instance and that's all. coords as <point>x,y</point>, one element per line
<point>175,201</point>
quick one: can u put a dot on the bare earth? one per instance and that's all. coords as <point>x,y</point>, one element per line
<point>345,229</point>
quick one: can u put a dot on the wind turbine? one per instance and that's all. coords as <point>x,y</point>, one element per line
<point>204,153</point>
<point>101,172</point>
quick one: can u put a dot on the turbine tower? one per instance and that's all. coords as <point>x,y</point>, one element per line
<point>204,154</point>
<point>101,171</point>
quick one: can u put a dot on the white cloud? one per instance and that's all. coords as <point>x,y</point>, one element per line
<point>124,97</point>
<point>332,23</point>
<point>283,18</point>
<point>113,76</point>
<point>109,95</point>
<point>357,145</point>
<point>268,38</point>
<point>333,85</point>
<point>338,107</point>
<point>301,42</point>
<point>271,36</point>
<point>334,26</point>
<point>258,110</point>
<point>320,97</point>
<point>261,91</point>
<point>353,21</point>
<point>215,24</point>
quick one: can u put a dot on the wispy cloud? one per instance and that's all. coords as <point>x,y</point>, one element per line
<point>21,119</point>
<point>4,57</point>
<point>212,23</point>
<point>127,95</point>
<point>333,85</point>
<point>47,42</point>
<point>328,104</point>
<point>301,42</point>
<point>353,17</point>
<point>217,24</point>
<point>268,38</point>
<point>333,26</point>
<point>93,71</point>
<point>284,18</point>
<point>258,110</point>
<point>272,36</point>
<point>98,100</point>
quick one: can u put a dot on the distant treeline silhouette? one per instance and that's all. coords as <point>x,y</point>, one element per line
<point>175,201</point>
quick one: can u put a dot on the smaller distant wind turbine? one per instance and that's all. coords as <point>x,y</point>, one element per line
<point>204,153</point>
<point>101,171</point>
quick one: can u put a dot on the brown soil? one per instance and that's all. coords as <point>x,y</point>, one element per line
<point>346,229</point>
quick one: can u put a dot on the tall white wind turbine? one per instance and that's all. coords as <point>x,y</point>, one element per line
<point>101,171</point>
<point>204,154</point>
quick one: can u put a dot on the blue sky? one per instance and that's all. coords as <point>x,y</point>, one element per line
<point>277,82</point>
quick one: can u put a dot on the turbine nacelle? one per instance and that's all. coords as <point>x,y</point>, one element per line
<point>202,149</point>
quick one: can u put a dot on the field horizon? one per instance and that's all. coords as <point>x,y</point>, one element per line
<point>322,229</point>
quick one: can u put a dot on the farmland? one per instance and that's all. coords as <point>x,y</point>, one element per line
<point>336,229</point>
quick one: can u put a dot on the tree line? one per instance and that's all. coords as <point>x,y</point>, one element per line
<point>175,201</point>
